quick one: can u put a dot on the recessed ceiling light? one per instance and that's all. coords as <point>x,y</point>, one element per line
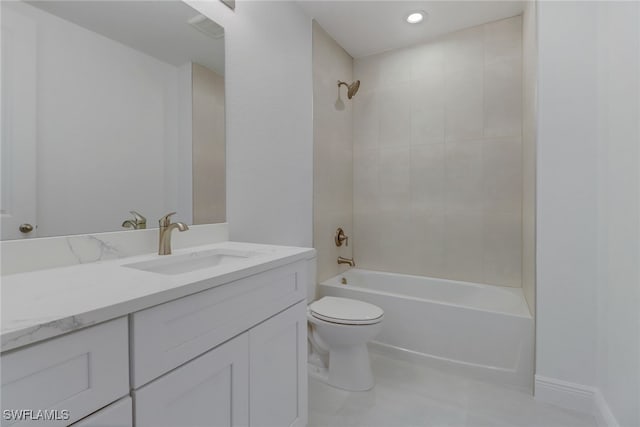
<point>416,17</point>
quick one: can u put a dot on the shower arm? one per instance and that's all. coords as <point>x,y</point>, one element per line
<point>352,88</point>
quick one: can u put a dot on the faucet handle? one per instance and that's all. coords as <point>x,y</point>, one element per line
<point>166,220</point>
<point>341,237</point>
<point>138,216</point>
<point>140,220</point>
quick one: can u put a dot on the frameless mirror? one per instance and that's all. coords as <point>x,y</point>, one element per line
<point>110,107</point>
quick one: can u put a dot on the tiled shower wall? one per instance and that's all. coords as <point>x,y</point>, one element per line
<point>332,152</point>
<point>438,157</point>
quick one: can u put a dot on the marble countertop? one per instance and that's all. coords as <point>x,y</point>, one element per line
<point>46,303</point>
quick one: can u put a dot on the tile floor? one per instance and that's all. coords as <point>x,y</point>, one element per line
<point>407,394</point>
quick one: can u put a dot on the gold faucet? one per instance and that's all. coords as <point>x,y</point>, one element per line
<point>137,223</point>
<point>166,227</point>
<point>341,237</point>
<point>342,260</point>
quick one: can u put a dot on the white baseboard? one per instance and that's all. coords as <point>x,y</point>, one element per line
<point>576,397</point>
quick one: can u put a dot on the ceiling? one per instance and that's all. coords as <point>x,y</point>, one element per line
<point>365,28</point>
<point>157,28</point>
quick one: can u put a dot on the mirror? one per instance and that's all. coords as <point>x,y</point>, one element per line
<point>110,107</point>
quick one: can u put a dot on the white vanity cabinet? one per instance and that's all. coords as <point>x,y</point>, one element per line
<point>253,370</point>
<point>233,354</point>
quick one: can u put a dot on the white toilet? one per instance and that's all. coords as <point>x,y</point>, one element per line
<point>339,329</point>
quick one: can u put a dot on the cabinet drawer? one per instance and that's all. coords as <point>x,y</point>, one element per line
<point>118,414</point>
<point>168,335</point>
<point>79,373</point>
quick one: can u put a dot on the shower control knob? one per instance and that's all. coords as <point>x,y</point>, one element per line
<point>25,228</point>
<point>341,237</point>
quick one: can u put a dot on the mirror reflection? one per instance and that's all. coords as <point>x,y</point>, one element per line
<point>110,108</point>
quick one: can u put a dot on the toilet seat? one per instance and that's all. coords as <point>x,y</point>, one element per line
<point>345,311</point>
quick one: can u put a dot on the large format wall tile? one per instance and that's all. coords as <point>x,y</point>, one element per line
<point>333,149</point>
<point>464,103</point>
<point>463,177</point>
<point>394,178</point>
<point>437,163</point>
<point>463,49</point>
<point>502,175</point>
<point>427,179</point>
<point>394,116</point>
<point>503,40</point>
<point>503,98</point>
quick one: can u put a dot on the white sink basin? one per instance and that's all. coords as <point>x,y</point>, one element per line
<point>179,264</point>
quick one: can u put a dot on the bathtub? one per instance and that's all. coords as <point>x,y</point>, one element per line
<point>481,331</point>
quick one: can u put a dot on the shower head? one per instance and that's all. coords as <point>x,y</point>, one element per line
<point>352,88</point>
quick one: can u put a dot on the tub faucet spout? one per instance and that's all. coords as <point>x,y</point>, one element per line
<point>342,260</point>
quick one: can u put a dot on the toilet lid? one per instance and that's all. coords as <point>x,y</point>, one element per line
<point>345,310</point>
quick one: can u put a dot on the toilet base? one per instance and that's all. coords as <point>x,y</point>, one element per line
<point>349,369</point>
<point>318,373</point>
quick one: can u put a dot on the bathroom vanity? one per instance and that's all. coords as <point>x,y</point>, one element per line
<point>212,335</point>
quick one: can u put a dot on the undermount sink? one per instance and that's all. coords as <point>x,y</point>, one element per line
<point>179,264</point>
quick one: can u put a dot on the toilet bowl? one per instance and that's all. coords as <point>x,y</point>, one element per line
<point>339,329</point>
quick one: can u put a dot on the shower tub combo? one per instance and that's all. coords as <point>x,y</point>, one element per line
<point>481,331</point>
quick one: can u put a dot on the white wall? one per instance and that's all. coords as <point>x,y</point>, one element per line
<point>437,157</point>
<point>588,328</point>
<point>566,205</point>
<point>618,291</point>
<point>268,123</point>
<point>103,131</point>
<point>269,120</point>
<point>333,152</point>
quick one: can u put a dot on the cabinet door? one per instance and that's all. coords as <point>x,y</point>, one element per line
<point>278,370</point>
<point>80,372</point>
<point>210,391</point>
<point>118,414</point>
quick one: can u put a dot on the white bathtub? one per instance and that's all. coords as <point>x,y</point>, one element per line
<point>482,331</point>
